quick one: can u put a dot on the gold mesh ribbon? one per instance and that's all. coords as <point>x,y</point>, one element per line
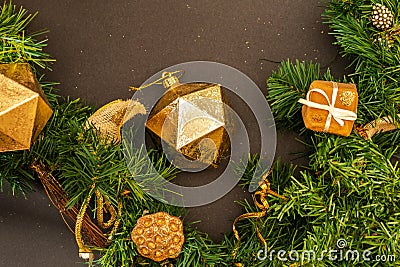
<point>109,119</point>
<point>384,124</point>
<point>261,202</point>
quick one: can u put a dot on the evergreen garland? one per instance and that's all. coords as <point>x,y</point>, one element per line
<point>349,190</point>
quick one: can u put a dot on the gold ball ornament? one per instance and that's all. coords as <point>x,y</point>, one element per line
<point>24,109</point>
<point>158,236</point>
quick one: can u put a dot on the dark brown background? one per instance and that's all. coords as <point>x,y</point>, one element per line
<point>103,47</point>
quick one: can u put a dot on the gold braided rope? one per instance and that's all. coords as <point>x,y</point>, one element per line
<point>263,205</point>
<point>117,222</point>
<point>101,205</point>
<point>84,251</point>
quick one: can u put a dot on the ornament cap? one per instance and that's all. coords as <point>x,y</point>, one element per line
<point>170,80</point>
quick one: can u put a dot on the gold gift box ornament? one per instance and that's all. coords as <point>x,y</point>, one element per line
<point>330,107</point>
<point>24,109</point>
<point>189,113</point>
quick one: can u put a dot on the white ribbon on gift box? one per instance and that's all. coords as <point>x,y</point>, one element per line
<point>338,114</point>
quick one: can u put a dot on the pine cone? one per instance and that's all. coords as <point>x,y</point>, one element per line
<point>382,17</point>
<point>385,40</point>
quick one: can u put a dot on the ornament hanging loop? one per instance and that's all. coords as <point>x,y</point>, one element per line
<point>168,80</point>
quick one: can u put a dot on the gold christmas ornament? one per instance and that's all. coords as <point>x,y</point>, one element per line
<point>24,109</point>
<point>158,236</point>
<point>189,113</point>
<point>109,119</point>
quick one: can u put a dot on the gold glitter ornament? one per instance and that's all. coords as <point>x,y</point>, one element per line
<point>24,109</point>
<point>158,236</point>
<point>189,113</point>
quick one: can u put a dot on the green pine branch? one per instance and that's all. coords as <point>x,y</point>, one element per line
<point>16,45</point>
<point>349,190</point>
<point>286,86</point>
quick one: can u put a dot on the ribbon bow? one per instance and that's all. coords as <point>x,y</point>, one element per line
<point>338,114</point>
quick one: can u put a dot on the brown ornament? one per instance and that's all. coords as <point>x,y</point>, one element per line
<point>158,236</point>
<point>189,113</point>
<point>24,109</point>
<point>330,107</point>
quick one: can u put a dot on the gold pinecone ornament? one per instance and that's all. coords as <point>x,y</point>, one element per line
<point>382,17</point>
<point>158,236</point>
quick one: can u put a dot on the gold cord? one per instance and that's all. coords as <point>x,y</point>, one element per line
<point>100,209</point>
<point>102,204</point>
<point>117,222</point>
<point>263,205</point>
<point>84,251</point>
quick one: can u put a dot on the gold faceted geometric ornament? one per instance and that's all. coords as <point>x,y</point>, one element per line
<point>24,109</point>
<point>191,118</point>
<point>158,236</point>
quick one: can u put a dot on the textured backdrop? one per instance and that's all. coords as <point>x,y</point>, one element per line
<point>103,47</point>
